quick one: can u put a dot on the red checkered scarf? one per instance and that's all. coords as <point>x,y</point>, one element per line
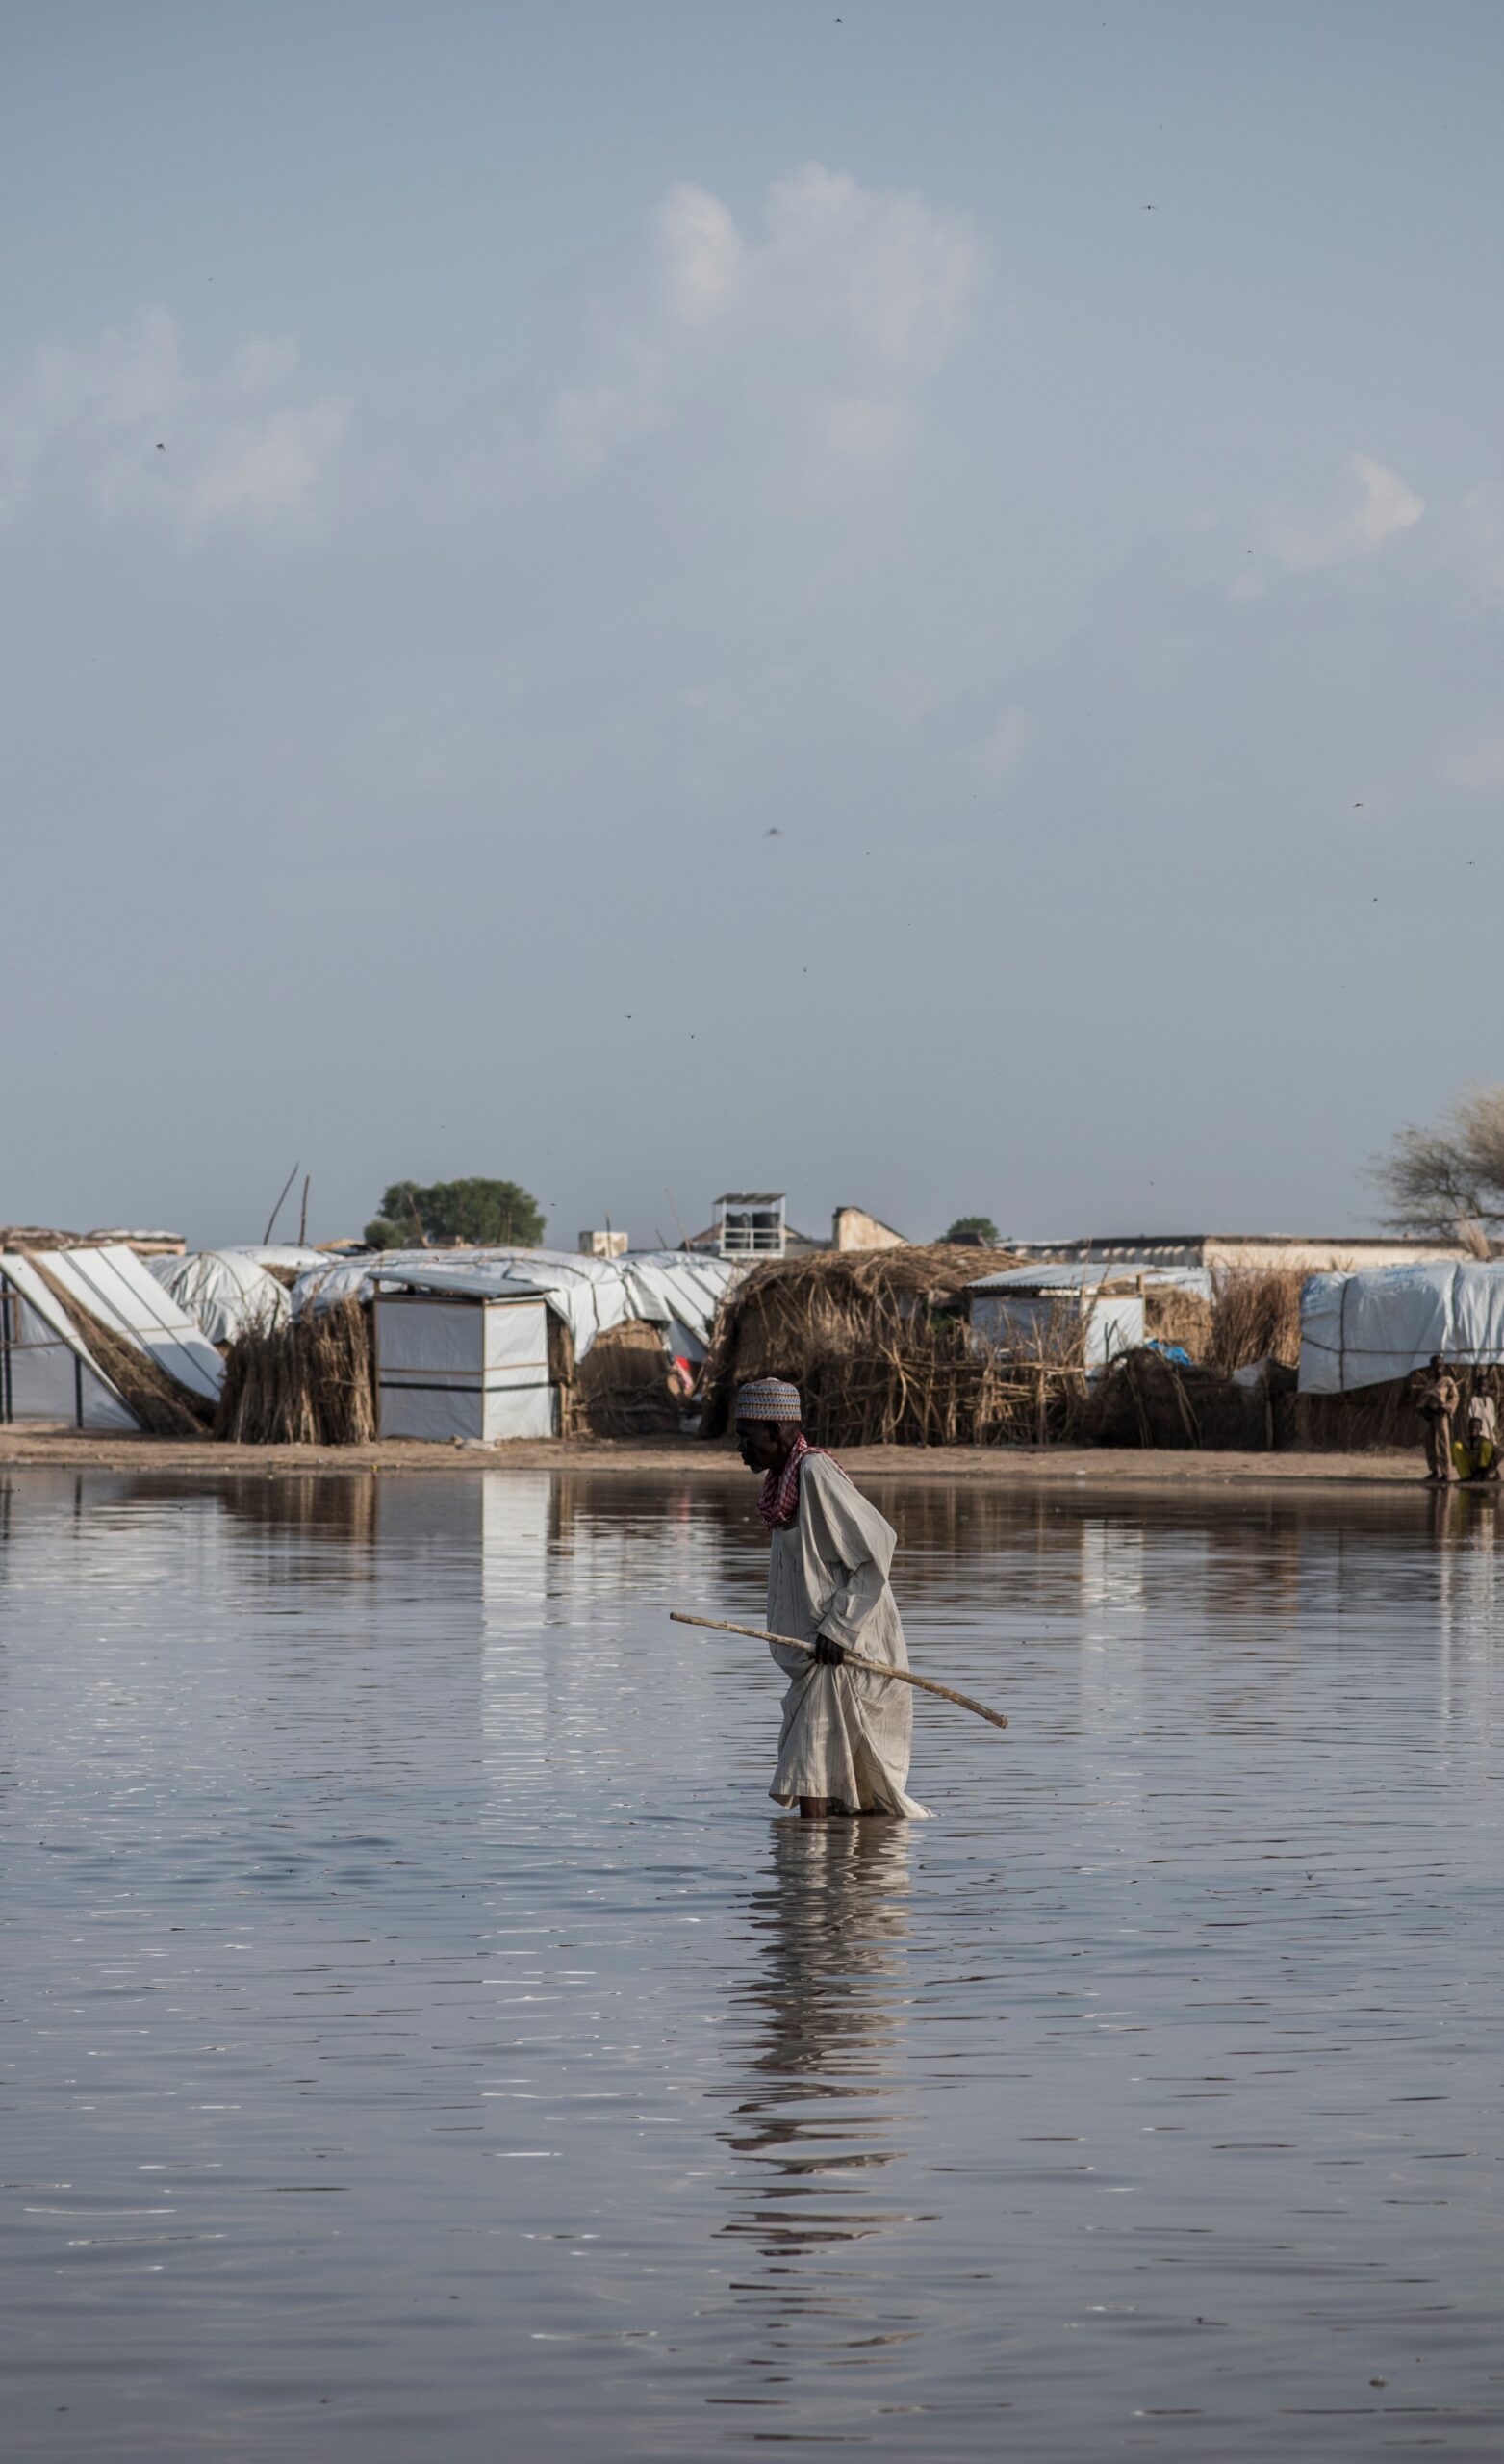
<point>778,1503</point>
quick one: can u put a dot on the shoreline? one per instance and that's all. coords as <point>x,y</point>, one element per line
<point>993,1467</point>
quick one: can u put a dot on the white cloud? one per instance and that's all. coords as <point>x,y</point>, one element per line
<point>124,422</point>
<point>699,253</point>
<point>879,272</point>
<point>1371,504</point>
<point>1387,505</point>
<point>826,324</point>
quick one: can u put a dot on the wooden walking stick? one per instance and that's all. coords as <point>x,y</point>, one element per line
<point>851,1660</point>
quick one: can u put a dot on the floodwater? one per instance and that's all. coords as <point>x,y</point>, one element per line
<point>422,2036</point>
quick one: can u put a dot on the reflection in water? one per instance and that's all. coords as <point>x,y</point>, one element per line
<point>830,1928</point>
<point>817,2111</point>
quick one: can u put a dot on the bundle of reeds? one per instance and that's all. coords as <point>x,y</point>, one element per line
<point>1144,1400</point>
<point>624,1385</point>
<point>309,1383</point>
<point>1172,1314</point>
<point>1255,1316</point>
<point>878,1344</point>
<point>162,1408</point>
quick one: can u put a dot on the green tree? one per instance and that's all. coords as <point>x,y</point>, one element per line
<point>974,1227</point>
<point>487,1215</point>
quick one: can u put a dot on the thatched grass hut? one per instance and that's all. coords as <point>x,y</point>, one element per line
<point>878,1344</point>
<point>625,1386</point>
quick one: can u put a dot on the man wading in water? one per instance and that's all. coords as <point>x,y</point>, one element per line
<point>845,1744</point>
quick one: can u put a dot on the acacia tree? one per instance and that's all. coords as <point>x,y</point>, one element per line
<point>488,1214</point>
<point>1445,1179</point>
<point>973,1227</point>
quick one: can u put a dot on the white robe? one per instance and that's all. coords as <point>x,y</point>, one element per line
<point>845,1735</point>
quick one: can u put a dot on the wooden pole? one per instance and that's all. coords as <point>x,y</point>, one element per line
<point>850,1659</point>
<point>266,1237</point>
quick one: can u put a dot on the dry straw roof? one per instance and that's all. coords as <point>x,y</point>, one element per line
<point>865,1333</point>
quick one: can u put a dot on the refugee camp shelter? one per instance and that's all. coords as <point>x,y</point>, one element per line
<point>48,1365</point>
<point>458,1364</point>
<point>226,1292</point>
<point>1031,1311</point>
<point>666,1299</point>
<point>1366,1328</point>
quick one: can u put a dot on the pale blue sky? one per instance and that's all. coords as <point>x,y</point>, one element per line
<point>1045,462</point>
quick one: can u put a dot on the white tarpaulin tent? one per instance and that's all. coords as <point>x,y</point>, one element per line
<point>1360,1329</point>
<point>115,1284</point>
<point>224,1292</point>
<point>673,1290</point>
<point>47,1372</point>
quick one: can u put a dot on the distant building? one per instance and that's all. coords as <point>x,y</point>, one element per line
<point>602,1245</point>
<point>147,1245</point>
<point>852,1228</point>
<point>1258,1250</point>
<point>752,1224</point>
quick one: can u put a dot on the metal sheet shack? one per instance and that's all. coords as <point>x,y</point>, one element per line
<point>458,1365</point>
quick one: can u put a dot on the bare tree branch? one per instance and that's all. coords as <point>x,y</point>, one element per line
<point>1439,1180</point>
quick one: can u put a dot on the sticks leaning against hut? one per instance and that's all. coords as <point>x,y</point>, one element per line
<point>1255,1316</point>
<point>310,1383</point>
<point>626,1385</point>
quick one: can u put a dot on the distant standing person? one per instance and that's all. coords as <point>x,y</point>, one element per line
<point>1434,1389</point>
<point>1476,1453</point>
<point>845,1744</point>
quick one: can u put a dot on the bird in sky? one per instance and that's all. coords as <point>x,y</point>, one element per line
<point>773,832</point>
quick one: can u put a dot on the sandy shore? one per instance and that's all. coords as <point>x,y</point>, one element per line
<point>995,1467</point>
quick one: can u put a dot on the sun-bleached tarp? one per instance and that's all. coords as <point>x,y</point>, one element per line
<point>113,1282</point>
<point>680,1292</point>
<point>1382,1322</point>
<point>224,1292</point>
<point>50,1372</point>
<point>677,1292</point>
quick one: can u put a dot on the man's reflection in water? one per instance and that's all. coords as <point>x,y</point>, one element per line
<point>818,2111</point>
<point>1460,1515</point>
